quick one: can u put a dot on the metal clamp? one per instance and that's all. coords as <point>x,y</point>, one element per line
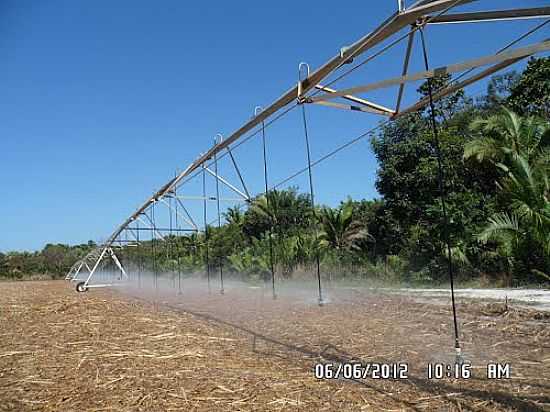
<point>300,80</point>
<point>420,22</point>
<point>343,51</point>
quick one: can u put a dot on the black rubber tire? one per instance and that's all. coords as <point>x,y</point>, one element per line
<point>80,287</point>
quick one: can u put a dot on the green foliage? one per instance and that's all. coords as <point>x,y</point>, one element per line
<point>53,261</point>
<point>341,231</point>
<point>286,211</point>
<point>500,138</point>
<point>447,107</point>
<point>408,182</point>
<point>530,95</point>
<point>498,91</point>
<point>519,148</point>
<point>252,261</point>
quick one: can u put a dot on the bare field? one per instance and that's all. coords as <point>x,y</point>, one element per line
<point>108,350</point>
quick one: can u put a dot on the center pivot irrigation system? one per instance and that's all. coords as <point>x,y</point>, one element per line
<point>314,88</point>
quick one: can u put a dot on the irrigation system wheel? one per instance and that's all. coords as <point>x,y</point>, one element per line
<point>81,287</point>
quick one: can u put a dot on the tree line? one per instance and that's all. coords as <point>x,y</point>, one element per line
<point>496,163</point>
<point>53,261</point>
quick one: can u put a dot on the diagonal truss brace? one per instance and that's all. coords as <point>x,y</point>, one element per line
<point>353,108</point>
<point>150,224</point>
<point>238,171</point>
<point>405,70</point>
<point>129,229</point>
<point>453,68</point>
<point>82,263</point>
<point>117,262</point>
<point>375,108</point>
<point>74,270</point>
<point>185,217</point>
<point>457,86</point>
<point>229,185</point>
<point>194,224</point>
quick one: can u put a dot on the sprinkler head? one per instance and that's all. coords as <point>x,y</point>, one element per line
<point>459,360</point>
<point>321,302</point>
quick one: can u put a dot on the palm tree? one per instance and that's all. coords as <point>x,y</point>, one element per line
<point>527,188</point>
<point>234,216</point>
<point>520,148</point>
<point>340,230</point>
<point>284,209</point>
<point>502,137</point>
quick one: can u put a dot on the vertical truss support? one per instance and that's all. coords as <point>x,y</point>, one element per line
<point>405,70</point>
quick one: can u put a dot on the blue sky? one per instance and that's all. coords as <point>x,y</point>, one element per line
<point>102,101</point>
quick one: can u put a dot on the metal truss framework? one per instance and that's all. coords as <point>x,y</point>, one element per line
<point>90,263</point>
<point>313,89</point>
